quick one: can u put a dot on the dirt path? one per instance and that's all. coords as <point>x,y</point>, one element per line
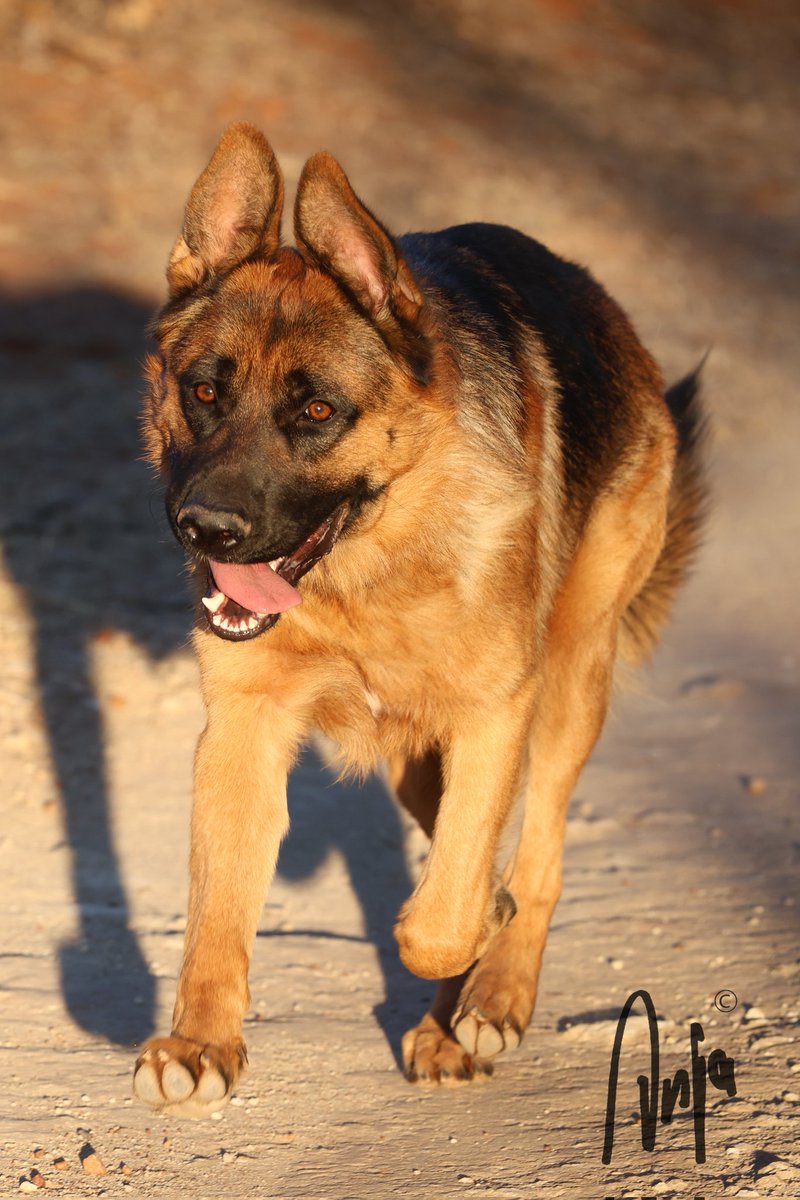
<point>649,141</point>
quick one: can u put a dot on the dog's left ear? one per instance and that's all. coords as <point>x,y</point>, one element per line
<point>341,235</point>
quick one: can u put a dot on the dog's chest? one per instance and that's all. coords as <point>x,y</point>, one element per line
<point>397,674</point>
<point>374,703</point>
<point>375,710</point>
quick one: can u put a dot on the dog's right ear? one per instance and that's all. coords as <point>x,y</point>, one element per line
<point>233,212</point>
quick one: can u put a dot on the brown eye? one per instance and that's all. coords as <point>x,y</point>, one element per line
<point>205,392</point>
<point>319,411</point>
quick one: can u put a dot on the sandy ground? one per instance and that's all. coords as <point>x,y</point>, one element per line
<point>652,142</point>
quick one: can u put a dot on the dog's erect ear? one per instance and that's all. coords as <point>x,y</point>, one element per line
<point>342,236</point>
<point>233,211</point>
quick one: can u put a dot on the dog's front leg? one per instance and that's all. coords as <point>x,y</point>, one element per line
<point>239,817</point>
<point>459,904</point>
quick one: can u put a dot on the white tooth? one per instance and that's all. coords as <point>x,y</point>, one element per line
<point>262,616</point>
<point>213,603</point>
<point>226,623</point>
<point>216,619</point>
<point>252,623</point>
<point>275,563</point>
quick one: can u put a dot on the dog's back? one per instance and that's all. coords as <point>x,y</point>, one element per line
<point>548,318</point>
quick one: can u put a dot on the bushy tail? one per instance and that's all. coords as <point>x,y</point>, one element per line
<point>686,514</point>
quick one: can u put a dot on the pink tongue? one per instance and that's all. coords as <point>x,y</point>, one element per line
<point>255,586</point>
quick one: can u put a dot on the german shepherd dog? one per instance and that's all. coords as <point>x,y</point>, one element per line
<point>453,449</point>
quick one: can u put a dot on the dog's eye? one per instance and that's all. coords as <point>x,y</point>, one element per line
<point>319,411</point>
<point>205,392</point>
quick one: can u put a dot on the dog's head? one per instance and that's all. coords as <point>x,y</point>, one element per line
<point>278,406</point>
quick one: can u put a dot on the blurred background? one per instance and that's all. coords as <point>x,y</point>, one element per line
<point>656,144</point>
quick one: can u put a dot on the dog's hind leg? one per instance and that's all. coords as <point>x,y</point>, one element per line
<point>488,1007</point>
<point>239,817</point>
<point>617,554</point>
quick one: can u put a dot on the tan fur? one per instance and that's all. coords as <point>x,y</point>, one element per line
<point>464,630</point>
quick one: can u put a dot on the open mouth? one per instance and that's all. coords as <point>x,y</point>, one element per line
<point>244,600</point>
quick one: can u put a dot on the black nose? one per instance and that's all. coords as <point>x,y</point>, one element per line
<point>212,530</point>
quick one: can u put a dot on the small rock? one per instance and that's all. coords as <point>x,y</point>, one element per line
<point>217,1116</point>
<point>467,1180</point>
<point>229,1156</point>
<point>27,1186</point>
<point>37,1153</point>
<point>125,1169</point>
<point>754,785</point>
<point>91,1162</point>
<point>60,1164</point>
<point>616,964</point>
<point>754,1014</point>
<point>38,1179</point>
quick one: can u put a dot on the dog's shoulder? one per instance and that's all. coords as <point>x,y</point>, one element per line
<point>546,317</point>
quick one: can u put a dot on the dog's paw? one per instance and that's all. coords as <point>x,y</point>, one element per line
<point>432,1057</point>
<point>426,952</point>
<point>435,949</point>
<point>187,1079</point>
<point>478,1033</point>
<point>496,1001</point>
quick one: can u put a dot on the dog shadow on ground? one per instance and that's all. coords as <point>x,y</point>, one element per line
<point>362,823</point>
<point>85,541</point>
